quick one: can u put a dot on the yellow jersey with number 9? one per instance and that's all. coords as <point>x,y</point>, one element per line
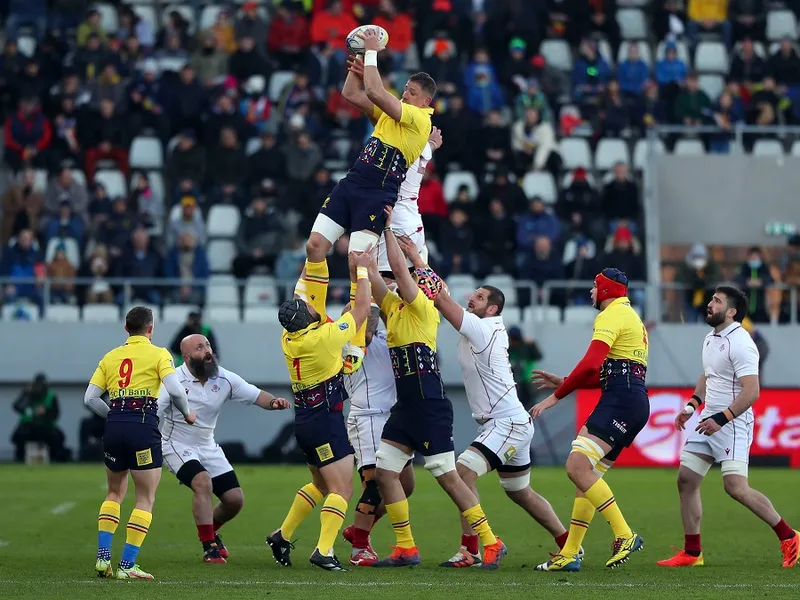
<point>620,327</point>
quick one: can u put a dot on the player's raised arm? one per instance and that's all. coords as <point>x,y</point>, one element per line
<point>406,286</point>
<point>353,89</point>
<point>378,285</point>
<point>361,305</point>
<point>450,309</point>
<point>373,86</point>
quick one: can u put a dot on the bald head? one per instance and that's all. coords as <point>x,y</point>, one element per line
<point>199,356</point>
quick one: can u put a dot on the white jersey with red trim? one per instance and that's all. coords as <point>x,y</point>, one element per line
<point>371,388</point>
<point>405,216</point>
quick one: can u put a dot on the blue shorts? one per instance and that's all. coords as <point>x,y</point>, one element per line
<point>425,426</point>
<point>619,416</point>
<point>323,438</point>
<point>357,205</point>
<point>132,445</point>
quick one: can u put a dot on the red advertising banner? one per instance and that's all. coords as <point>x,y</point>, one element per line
<point>659,444</point>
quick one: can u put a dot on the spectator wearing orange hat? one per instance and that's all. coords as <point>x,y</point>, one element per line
<point>400,29</point>
<point>444,67</point>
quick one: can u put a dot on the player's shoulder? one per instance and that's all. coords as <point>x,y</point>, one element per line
<point>740,337</point>
<point>228,375</point>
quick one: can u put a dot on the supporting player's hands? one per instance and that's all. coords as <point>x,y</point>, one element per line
<point>708,426</point>
<point>363,259</point>
<point>435,138</point>
<point>545,380</point>
<point>542,406</point>
<point>356,65</point>
<point>191,417</point>
<point>387,210</point>
<point>680,420</point>
<point>410,250</point>
<point>278,404</point>
<point>370,37</point>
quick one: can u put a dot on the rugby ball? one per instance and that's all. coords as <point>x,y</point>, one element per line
<point>356,44</point>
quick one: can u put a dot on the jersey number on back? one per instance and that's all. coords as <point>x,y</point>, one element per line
<point>125,373</point>
<point>296,365</point>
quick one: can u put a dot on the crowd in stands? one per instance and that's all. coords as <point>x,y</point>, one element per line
<point>132,129</point>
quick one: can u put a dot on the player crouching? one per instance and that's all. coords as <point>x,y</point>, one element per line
<point>191,452</point>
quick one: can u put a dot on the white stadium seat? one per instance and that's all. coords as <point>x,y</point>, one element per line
<point>506,284</point>
<point>26,45</point>
<point>108,17</point>
<point>177,313</point>
<point>641,149</point>
<point>711,57</point>
<point>768,148</point>
<point>62,313</point>
<point>156,185</point>
<point>253,145</point>
<point>40,180</point>
<point>223,221</point>
<point>461,287</point>
<point>712,85</point>
<point>147,13</point>
<point>512,315</point>
<point>632,25</point>
<point>113,181</point>
<point>260,291</point>
<point>689,148</point>
<point>209,16</point>
<point>604,50</point>
<point>101,313</point>
<point>579,314</point>
<point>539,183</point>
<point>781,23</point>
<point>681,47</point>
<point>222,290</point>
<point>796,148</point>
<point>644,52</point>
<point>170,63</point>
<point>576,153</point>
<point>609,152</point>
<point>557,54</point>
<point>758,48</point>
<point>220,255</point>
<point>79,176</point>
<point>541,314</point>
<point>261,314</point>
<point>455,179</point>
<point>277,82</point>
<point>146,153</point>
<point>23,311</point>
<point>223,314</point>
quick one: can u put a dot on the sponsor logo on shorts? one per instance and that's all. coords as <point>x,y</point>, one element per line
<point>426,444</point>
<point>187,452</point>
<point>727,451</point>
<point>621,425</point>
<point>144,458</point>
<point>510,453</point>
<point>325,204</point>
<point>324,452</point>
<point>109,457</point>
<point>372,217</point>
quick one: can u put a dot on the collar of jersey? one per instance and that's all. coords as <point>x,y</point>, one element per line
<point>728,329</point>
<point>137,339</point>
<point>619,301</point>
<point>294,334</point>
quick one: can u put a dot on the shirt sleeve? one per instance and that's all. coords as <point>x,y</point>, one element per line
<point>413,118</point>
<point>337,334</point>
<point>472,328</point>
<point>99,376</point>
<point>744,357</point>
<point>376,112</point>
<point>420,305</point>
<point>242,391</point>
<point>606,329</point>
<point>165,364</point>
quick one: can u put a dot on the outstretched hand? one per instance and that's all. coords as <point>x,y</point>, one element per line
<point>545,380</point>
<point>356,65</point>
<point>371,38</point>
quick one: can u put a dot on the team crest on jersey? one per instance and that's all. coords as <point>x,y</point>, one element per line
<point>722,348</point>
<point>215,388</point>
<point>186,390</point>
<point>343,326</point>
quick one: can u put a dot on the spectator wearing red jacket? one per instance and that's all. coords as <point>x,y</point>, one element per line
<point>288,37</point>
<point>332,26</point>
<point>432,204</point>
<point>27,134</point>
<point>400,29</point>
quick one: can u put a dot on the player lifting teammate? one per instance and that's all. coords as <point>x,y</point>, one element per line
<point>132,375</point>
<point>616,361</point>
<point>192,454</point>
<point>422,419</point>
<point>728,387</point>
<point>312,348</point>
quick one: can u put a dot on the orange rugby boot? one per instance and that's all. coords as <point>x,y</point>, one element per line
<point>681,559</point>
<point>790,549</point>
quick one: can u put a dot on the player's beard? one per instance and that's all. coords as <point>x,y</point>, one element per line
<point>715,319</point>
<point>201,367</point>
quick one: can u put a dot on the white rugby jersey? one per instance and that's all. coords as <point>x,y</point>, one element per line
<point>206,401</point>
<point>488,379</point>
<point>371,388</point>
<point>405,216</point>
<point>727,356</point>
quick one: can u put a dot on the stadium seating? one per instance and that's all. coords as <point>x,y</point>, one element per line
<point>113,181</point>
<point>101,313</point>
<point>640,151</point>
<point>222,291</point>
<point>261,314</point>
<point>632,23</point>
<point>220,255</point>
<point>576,153</point>
<point>780,24</point>
<point>146,153</point>
<point>580,314</point>
<point>223,221</point>
<point>222,314</point>
<point>767,148</point>
<point>260,291</point>
<point>455,179</point>
<point>557,54</point>
<point>689,147</point>
<point>711,57</point>
<point>540,183</point>
<point>177,313</point>
<point>644,52</point>
<point>609,152</point>
<point>62,313</point>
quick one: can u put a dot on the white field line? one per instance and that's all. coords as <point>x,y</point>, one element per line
<point>62,508</point>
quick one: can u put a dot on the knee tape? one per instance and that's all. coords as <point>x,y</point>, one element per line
<point>734,467</point>
<point>474,462</point>
<point>361,240</point>
<point>371,497</point>
<point>695,463</point>
<point>327,228</point>
<point>441,464</point>
<point>589,448</point>
<point>601,469</point>
<point>516,484</point>
<point>391,458</point>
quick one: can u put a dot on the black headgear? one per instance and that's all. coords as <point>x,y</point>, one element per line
<point>294,315</point>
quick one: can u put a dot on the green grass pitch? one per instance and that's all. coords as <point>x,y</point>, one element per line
<point>48,535</point>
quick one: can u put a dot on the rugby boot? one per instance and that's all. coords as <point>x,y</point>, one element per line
<point>462,559</point>
<point>349,534</point>
<point>212,554</point>
<point>103,568</point>
<point>580,554</point>
<point>400,557</point>
<point>492,555</point>
<point>223,551</point>
<point>363,557</point>
<point>790,549</point>
<point>559,562</point>
<point>281,549</point>
<point>682,559</point>
<point>623,548</point>
<point>135,572</point>
<point>329,562</point>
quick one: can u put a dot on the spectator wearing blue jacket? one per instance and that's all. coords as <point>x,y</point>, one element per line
<point>484,93</point>
<point>671,69</point>
<point>21,261</point>
<point>188,262</point>
<point>537,222</point>
<point>541,264</point>
<point>65,225</point>
<point>591,72</point>
<point>633,72</point>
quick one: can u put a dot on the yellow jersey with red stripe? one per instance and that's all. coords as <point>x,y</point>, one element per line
<point>619,326</point>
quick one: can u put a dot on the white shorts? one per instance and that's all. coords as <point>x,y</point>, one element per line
<point>509,440</point>
<point>212,458</point>
<point>418,237</point>
<point>732,442</point>
<point>364,432</point>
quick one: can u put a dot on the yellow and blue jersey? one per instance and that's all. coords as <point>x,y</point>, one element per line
<point>132,376</point>
<point>620,327</point>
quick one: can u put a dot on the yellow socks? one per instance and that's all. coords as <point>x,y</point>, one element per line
<point>582,515</point>
<point>331,518</point>
<point>603,500</point>
<point>138,526</point>
<point>107,522</point>
<point>304,502</point>
<point>398,515</point>
<point>477,520</point>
